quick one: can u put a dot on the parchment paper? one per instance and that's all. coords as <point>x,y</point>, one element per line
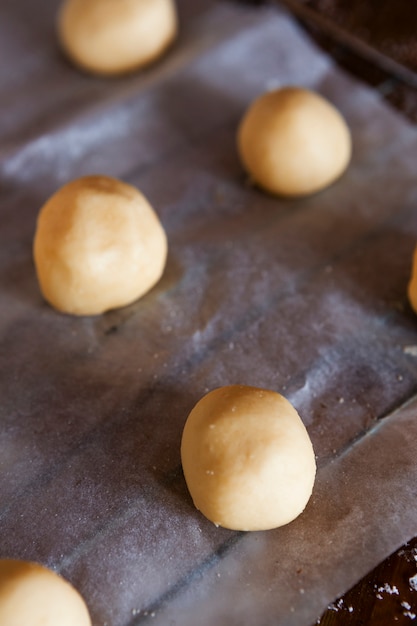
<point>307,297</point>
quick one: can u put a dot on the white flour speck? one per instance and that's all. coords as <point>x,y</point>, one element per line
<point>388,589</point>
<point>409,614</point>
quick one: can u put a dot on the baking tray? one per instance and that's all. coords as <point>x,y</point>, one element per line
<point>380,32</point>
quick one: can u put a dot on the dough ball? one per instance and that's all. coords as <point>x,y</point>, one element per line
<point>116,36</point>
<point>412,285</point>
<point>247,458</point>
<point>98,246</point>
<point>32,595</point>
<point>293,142</point>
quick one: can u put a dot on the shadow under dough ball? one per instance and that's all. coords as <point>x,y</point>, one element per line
<point>293,142</point>
<point>112,37</point>
<point>98,245</point>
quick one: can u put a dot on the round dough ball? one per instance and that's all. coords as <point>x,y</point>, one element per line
<point>293,142</point>
<point>116,36</point>
<point>247,458</point>
<point>98,246</point>
<point>32,595</point>
<point>412,285</point>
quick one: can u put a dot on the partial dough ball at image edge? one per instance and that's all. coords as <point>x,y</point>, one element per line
<point>293,142</point>
<point>33,594</point>
<point>247,458</point>
<point>114,37</point>
<point>98,245</point>
<point>412,285</point>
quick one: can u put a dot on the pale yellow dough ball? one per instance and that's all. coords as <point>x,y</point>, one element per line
<point>32,595</point>
<point>116,36</point>
<point>247,458</point>
<point>293,142</point>
<point>412,285</point>
<point>98,245</point>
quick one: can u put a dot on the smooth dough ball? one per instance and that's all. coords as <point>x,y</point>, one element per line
<point>98,246</point>
<point>32,595</point>
<point>116,36</point>
<point>412,285</point>
<point>247,458</point>
<point>293,142</point>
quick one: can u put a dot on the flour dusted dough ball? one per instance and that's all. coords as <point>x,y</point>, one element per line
<point>293,142</point>
<point>412,285</point>
<point>247,458</point>
<point>32,595</point>
<point>116,36</point>
<point>98,246</point>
